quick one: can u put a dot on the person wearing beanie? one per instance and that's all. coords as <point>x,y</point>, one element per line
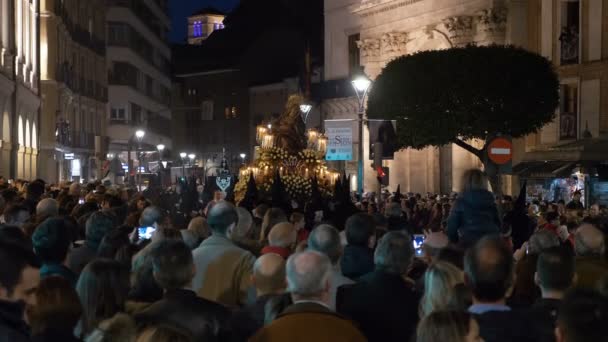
<point>51,242</point>
<point>97,226</point>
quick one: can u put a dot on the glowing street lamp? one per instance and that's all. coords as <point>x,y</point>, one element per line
<point>361,84</point>
<point>305,110</point>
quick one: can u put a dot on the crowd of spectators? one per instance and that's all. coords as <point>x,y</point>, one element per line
<point>106,263</point>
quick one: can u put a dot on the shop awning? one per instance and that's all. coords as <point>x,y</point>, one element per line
<point>542,169</point>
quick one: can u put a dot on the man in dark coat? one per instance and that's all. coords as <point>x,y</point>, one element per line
<point>489,273</point>
<point>18,278</point>
<point>358,256</point>
<point>181,308</point>
<point>554,275</point>
<point>384,303</point>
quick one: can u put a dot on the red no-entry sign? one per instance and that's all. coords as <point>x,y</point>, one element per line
<point>500,151</point>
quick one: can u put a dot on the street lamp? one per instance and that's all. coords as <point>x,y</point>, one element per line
<point>139,134</point>
<point>243,155</point>
<point>361,84</point>
<point>160,148</point>
<point>183,155</point>
<point>304,111</point>
<point>191,156</point>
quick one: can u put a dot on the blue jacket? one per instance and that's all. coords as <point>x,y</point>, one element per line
<point>473,216</point>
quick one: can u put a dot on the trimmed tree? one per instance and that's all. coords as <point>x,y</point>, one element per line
<point>473,92</point>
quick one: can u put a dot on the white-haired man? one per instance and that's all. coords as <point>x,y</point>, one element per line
<point>308,281</point>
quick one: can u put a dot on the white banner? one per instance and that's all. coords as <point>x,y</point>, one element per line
<point>339,139</point>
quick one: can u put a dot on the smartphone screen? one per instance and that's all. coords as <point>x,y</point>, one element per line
<point>81,201</point>
<point>145,233</point>
<point>417,241</point>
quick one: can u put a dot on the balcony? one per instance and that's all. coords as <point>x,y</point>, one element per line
<point>144,14</point>
<point>65,74</point>
<point>80,35</point>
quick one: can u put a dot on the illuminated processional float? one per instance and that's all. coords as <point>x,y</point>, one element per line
<point>288,154</point>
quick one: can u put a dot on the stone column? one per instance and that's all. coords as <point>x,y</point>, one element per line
<point>459,29</point>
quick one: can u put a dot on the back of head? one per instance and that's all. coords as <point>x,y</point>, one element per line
<point>102,287</point>
<point>555,269</point>
<point>359,228</point>
<point>582,317</point>
<point>326,239</point>
<point>394,253</point>
<point>150,216</point>
<point>172,264</point>
<point>450,326</point>
<point>74,189</point>
<point>282,235</point>
<point>589,241</point>
<point>199,226</point>
<point>308,274</point>
<point>439,281</point>
<point>474,179</point>
<point>488,269</point>
<point>260,210</point>
<point>221,217</point>
<point>35,189</point>
<point>57,306</point>
<point>14,259</point>
<point>51,240</point>
<point>269,273</point>
<point>393,210</point>
<point>244,224</point>
<point>47,207</point>
<point>97,226</point>
<point>16,214</point>
<point>272,217</point>
<point>15,235</point>
<point>541,240</point>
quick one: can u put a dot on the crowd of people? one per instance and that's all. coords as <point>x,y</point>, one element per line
<point>105,263</point>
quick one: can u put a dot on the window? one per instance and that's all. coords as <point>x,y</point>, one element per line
<point>570,32</point>
<point>231,112</point>
<point>568,116</point>
<point>117,114</point>
<point>218,26</point>
<point>197,29</point>
<point>207,110</point>
<point>136,115</point>
<point>354,57</point>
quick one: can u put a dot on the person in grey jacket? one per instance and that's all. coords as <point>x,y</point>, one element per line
<point>474,214</point>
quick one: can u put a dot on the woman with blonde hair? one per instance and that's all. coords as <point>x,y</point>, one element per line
<point>474,214</point>
<point>453,326</point>
<point>439,282</point>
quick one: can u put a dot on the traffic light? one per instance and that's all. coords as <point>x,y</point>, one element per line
<point>382,174</point>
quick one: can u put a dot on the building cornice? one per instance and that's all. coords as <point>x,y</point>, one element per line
<point>372,7</point>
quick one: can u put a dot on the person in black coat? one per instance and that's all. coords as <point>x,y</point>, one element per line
<point>384,303</point>
<point>180,307</point>
<point>358,256</point>
<point>489,273</point>
<point>555,274</point>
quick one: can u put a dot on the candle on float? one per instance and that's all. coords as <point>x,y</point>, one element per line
<point>313,136</point>
<point>261,132</point>
<point>268,141</point>
<point>322,145</point>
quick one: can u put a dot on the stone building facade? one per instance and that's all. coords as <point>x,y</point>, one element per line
<point>373,32</point>
<point>386,29</point>
<point>19,88</point>
<point>74,88</point>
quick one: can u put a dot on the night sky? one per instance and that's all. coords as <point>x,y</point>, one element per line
<point>180,9</point>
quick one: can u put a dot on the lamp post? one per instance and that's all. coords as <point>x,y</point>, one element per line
<point>191,156</point>
<point>160,148</point>
<point>361,84</point>
<point>243,155</point>
<point>183,155</point>
<point>139,134</point>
